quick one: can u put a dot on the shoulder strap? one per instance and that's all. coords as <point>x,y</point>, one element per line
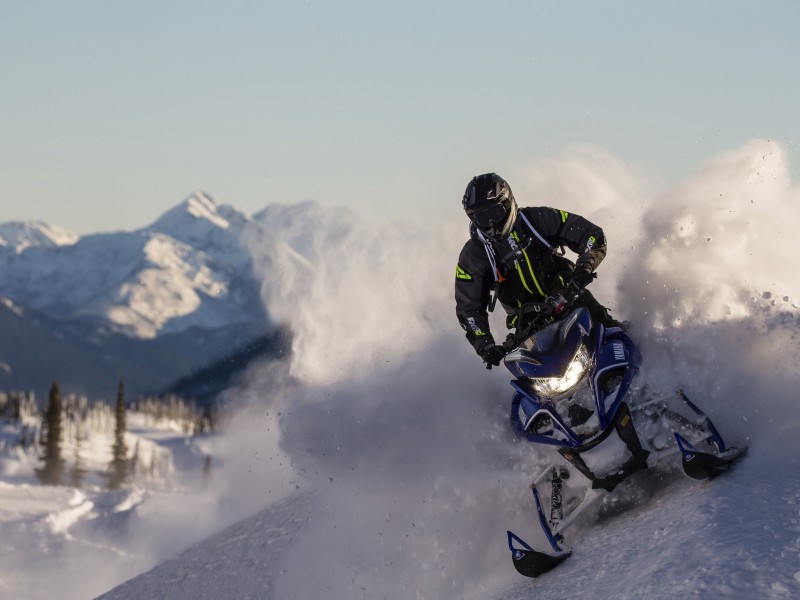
<point>489,252</point>
<point>544,242</point>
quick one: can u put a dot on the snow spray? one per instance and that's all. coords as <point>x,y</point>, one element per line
<point>388,416</point>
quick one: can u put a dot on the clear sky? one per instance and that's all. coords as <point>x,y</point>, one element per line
<point>111,112</point>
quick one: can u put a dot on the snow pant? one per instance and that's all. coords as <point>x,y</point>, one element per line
<point>598,312</point>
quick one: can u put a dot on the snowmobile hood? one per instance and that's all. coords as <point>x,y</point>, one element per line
<point>547,352</point>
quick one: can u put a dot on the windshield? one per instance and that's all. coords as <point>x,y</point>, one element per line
<point>541,341</point>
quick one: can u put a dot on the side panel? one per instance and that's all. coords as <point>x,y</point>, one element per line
<point>616,362</point>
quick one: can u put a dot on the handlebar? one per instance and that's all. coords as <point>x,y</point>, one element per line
<point>534,315</point>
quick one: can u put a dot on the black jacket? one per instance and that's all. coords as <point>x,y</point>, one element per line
<point>524,267</point>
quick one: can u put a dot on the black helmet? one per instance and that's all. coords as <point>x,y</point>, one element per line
<point>490,204</point>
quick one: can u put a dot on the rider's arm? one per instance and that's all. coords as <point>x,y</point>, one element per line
<point>474,282</point>
<point>560,227</point>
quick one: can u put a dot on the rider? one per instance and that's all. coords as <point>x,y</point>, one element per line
<point>512,256</point>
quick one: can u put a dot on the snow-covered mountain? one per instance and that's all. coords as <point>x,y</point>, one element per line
<point>16,236</point>
<point>189,268</point>
<point>36,349</point>
<point>152,305</point>
<point>215,229</point>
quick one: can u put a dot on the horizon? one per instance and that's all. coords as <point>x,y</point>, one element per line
<point>152,220</point>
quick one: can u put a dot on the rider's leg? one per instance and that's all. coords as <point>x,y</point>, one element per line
<point>598,311</point>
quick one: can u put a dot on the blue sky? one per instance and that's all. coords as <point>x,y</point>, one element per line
<point>111,112</point>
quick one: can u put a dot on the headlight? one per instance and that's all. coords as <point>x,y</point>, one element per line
<point>549,387</point>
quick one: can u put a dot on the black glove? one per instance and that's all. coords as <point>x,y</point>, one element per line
<point>564,297</point>
<point>581,277</point>
<point>492,354</point>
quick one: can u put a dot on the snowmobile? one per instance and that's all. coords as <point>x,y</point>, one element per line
<point>574,390</point>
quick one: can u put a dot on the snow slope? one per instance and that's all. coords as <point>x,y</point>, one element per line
<point>733,538</point>
<point>398,439</point>
<point>737,537</point>
<point>249,553</point>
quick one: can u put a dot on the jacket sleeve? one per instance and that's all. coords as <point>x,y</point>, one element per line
<point>474,282</point>
<point>559,228</point>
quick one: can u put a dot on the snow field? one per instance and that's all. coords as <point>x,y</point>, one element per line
<point>87,540</point>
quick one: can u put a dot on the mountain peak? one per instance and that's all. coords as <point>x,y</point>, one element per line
<point>198,207</point>
<point>203,206</point>
<point>206,225</point>
<point>19,235</point>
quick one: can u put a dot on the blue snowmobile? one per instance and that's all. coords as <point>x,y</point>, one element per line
<point>573,390</point>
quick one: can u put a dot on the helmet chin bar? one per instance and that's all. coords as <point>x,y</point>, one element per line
<point>497,232</point>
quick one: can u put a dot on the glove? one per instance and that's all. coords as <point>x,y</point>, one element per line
<point>564,297</point>
<point>581,277</point>
<point>492,354</point>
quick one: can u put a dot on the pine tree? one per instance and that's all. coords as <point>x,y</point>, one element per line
<point>53,469</point>
<point>118,471</point>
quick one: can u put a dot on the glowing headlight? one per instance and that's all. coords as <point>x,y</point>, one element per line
<point>549,387</point>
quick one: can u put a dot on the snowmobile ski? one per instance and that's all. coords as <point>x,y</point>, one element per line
<point>704,465</point>
<point>529,562</point>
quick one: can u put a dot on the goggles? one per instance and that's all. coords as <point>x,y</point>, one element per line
<point>490,216</point>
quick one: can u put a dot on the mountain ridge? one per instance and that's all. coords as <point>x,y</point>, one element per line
<point>182,271</point>
<point>152,305</point>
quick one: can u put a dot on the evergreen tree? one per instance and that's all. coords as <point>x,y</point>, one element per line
<point>119,462</point>
<point>53,469</point>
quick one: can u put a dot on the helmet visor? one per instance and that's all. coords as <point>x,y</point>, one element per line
<point>489,217</point>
